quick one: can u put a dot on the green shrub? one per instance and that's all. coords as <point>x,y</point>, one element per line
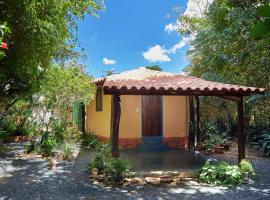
<point>67,152</point>
<point>221,174</point>
<point>47,145</point>
<point>101,159</point>
<point>116,168</point>
<point>246,168</point>
<point>90,141</point>
<point>31,146</point>
<point>212,135</point>
<point>97,163</point>
<point>260,139</point>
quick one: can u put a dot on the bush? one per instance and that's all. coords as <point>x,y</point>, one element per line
<point>116,168</point>
<point>67,152</point>
<point>47,145</point>
<point>221,174</point>
<point>31,146</point>
<point>101,159</point>
<point>96,164</point>
<point>90,141</point>
<point>246,168</point>
<point>212,136</point>
<point>260,139</point>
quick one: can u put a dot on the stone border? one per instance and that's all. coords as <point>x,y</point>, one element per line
<point>155,178</point>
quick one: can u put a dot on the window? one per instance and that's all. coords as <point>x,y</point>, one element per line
<point>99,99</point>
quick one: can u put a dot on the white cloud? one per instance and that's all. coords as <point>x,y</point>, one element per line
<point>183,42</point>
<point>108,61</point>
<point>161,54</point>
<point>168,16</point>
<point>156,54</point>
<point>171,27</point>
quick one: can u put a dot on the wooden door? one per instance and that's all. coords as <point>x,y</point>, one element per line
<point>151,116</point>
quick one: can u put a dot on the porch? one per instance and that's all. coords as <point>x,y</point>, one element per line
<point>146,82</point>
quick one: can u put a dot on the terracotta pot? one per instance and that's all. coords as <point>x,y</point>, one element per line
<point>219,149</point>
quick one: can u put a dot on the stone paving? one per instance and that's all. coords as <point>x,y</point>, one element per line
<point>25,178</point>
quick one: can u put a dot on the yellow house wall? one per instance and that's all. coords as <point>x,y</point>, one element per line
<point>130,121</point>
<point>99,122</point>
<point>174,116</point>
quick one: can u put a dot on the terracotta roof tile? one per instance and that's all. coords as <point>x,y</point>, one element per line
<point>145,79</point>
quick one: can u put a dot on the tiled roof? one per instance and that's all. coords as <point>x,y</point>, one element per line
<point>142,79</point>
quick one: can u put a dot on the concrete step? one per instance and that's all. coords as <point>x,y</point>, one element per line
<point>152,144</point>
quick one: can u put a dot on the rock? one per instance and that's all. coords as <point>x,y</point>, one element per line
<point>172,184</point>
<point>136,180</point>
<point>187,175</point>
<point>52,164</point>
<point>166,179</point>
<point>97,177</point>
<point>153,181</point>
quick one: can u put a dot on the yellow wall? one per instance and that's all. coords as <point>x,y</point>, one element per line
<point>130,121</point>
<point>99,122</point>
<point>174,116</point>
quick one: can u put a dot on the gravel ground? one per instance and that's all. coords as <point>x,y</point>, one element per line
<point>22,178</point>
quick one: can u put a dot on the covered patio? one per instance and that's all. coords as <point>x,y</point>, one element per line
<point>176,85</point>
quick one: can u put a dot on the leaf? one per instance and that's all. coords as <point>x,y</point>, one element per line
<point>264,11</point>
<point>260,29</point>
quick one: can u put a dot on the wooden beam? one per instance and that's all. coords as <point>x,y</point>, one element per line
<point>232,98</point>
<point>198,120</point>
<point>191,141</point>
<point>179,92</point>
<point>241,131</point>
<point>116,112</point>
<point>83,117</point>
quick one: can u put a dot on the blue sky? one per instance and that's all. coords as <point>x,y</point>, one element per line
<point>131,33</point>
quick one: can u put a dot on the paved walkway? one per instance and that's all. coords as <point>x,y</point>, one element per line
<point>30,179</point>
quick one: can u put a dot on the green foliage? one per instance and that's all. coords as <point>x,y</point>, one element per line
<point>67,152</point>
<point>101,159</point>
<point>96,164</point>
<point>221,174</point>
<point>212,135</point>
<point>90,141</point>
<point>31,146</point>
<point>4,30</point>
<point>260,139</point>
<point>223,46</point>
<point>246,167</point>
<point>262,27</point>
<point>154,67</point>
<point>116,168</point>
<point>46,33</point>
<point>47,145</point>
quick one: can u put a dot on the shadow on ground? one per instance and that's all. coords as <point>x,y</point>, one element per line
<point>31,179</point>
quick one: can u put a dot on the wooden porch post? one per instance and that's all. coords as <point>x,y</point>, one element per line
<point>198,120</point>
<point>241,131</point>
<point>191,141</point>
<point>116,112</point>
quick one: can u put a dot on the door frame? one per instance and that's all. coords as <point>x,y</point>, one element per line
<point>161,116</point>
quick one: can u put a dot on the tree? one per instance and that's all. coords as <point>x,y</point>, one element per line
<point>222,46</point>
<point>154,67</point>
<point>61,87</point>
<point>43,32</point>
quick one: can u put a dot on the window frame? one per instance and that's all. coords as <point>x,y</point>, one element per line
<point>99,90</point>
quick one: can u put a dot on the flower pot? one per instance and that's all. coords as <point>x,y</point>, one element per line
<point>219,149</point>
